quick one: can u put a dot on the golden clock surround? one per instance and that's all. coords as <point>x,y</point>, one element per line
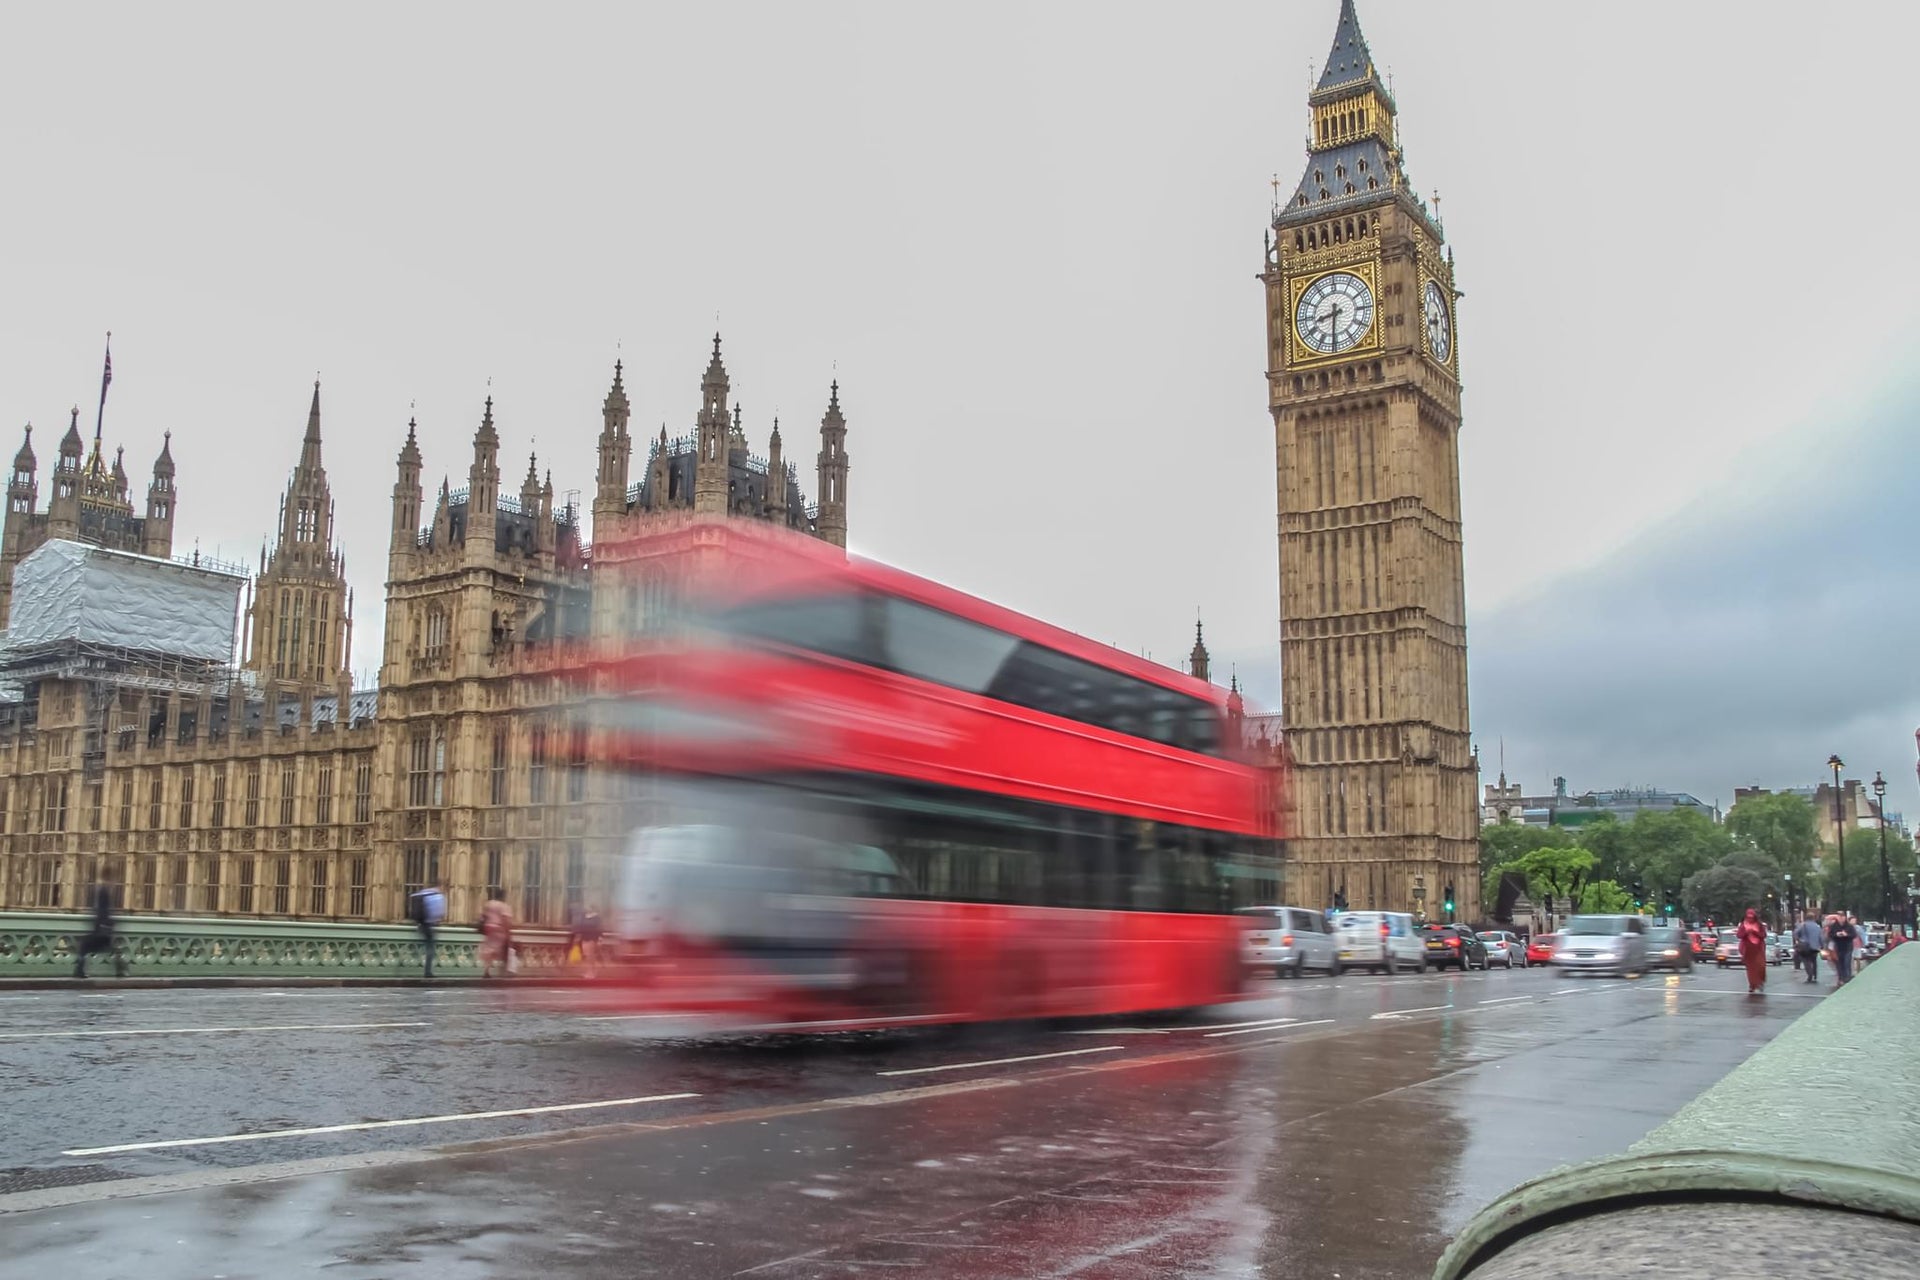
<point>1302,356</point>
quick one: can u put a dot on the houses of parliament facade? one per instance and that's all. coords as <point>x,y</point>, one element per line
<point>273,787</point>
<point>279,789</point>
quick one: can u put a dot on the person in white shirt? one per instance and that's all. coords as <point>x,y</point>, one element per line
<point>428,907</point>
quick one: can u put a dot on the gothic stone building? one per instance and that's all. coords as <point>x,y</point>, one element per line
<point>277,789</point>
<point>1364,388</point>
<point>90,502</point>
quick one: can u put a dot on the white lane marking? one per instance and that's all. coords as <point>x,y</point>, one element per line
<point>374,1124</point>
<point>1567,991</point>
<point>1256,1029</point>
<point>1506,999</point>
<point>192,1031</point>
<point>630,1017</point>
<point>1401,1013</point>
<point>1001,1062</point>
<point>1257,1022</point>
<point>1121,1031</point>
<point>19,997</point>
<point>1317,1022</point>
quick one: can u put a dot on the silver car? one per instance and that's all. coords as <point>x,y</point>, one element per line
<point>1289,941</point>
<point>1504,949</point>
<point>1603,944</point>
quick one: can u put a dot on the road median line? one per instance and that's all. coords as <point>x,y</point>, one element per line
<point>1001,1062</point>
<point>311,1130</point>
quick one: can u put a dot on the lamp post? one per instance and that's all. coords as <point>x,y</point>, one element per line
<point>1886,876</point>
<point>1839,827</point>
<point>1788,877</point>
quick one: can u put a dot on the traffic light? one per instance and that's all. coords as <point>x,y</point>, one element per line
<point>1639,895</point>
<point>1449,899</point>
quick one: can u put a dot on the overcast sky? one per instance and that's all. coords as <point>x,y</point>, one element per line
<point>1025,237</point>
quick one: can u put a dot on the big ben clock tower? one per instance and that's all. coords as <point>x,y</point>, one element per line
<point>1363,382</point>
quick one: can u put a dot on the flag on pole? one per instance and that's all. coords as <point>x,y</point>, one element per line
<point>106,380</point>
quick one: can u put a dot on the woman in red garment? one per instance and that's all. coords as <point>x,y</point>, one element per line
<point>1753,951</point>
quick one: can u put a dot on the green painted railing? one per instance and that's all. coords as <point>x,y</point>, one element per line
<point>43,945</point>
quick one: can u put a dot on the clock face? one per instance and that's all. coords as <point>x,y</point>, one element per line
<point>1439,324</point>
<point>1335,312</point>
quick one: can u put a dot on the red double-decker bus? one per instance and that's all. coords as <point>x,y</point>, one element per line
<point>877,799</point>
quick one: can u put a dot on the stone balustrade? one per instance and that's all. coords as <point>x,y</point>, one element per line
<point>42,945</point>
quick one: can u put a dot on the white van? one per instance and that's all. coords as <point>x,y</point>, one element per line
<point>1289,941</point>
<point>1383,941</point>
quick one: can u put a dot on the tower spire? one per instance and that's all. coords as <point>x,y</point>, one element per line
<point>1349,61</point>
<point>310,444</point>
<point>1199,661</point>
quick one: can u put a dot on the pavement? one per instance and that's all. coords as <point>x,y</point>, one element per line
<point>1324,1127</point>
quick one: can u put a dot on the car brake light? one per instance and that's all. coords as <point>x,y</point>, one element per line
<point>1453,942</point>
<point>1286,939</point>
<point>1383,929</point>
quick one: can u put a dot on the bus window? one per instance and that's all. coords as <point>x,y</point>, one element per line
<point>840,626</point>
<point>939,647</point>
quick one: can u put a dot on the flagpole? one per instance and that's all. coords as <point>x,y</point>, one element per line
<point>106,378</point>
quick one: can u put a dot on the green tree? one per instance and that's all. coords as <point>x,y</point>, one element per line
<point>1860,892</point>
<point>1667,846</point>
<point>1605,897</point>
<point>1722,894</point>
<point>1611,844</point>
<point>1504,844</point>
<point>1781,826</point>
<point>1759,863</point>
<point>1553,869</point>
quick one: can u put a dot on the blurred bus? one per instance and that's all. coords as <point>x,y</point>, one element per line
<point>876,799</point>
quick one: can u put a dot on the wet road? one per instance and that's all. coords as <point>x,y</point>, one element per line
<point>1329,1127</point>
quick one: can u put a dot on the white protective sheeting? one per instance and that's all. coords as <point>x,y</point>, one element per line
<point>71,593</point>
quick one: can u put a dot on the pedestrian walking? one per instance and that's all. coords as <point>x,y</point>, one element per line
<point>1753,951</point>
<point>99,936</point>
<point>591,932</point>
<point>1808,938</point>
<point>1842,937</point>
<point>496,937</point>
<point>428,907</point>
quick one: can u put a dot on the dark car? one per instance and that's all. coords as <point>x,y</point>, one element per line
<point>1454,944</point>
<point>1669,948</point>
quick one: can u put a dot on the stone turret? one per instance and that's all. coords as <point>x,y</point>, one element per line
<point>406,498</point>
<point>711,433</point>
<point>157,537</point>
<point>776,478</point>
<point>1199,662</point>
<point>300,628</point>
<point>832,493</point>
<point>63,512</point>
<point>483,488</point>
<point>616,453</point>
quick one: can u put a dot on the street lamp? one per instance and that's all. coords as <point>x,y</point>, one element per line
<point>1839,827</point>
<point>1788,877</point>
<point>1886,876</point>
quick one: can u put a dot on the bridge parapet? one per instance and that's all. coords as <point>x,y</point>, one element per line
<point>42,945</point>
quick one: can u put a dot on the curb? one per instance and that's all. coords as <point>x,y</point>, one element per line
<point>1742,1141</point>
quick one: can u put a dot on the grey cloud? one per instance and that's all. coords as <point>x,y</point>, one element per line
<point>1741,641</point>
